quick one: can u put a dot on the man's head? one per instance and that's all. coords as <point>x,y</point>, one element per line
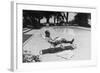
<point>47,33</point>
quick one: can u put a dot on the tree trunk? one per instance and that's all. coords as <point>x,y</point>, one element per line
<point>48,20</point>
<point>67,18</point>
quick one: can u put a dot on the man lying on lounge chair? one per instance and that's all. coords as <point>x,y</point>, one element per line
<point>56,41</point>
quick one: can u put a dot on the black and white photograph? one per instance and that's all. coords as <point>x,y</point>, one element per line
<point>50,36</point>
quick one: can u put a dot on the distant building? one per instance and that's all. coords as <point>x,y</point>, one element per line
<point>71,16</point>
<point>51,20</point>
<point>43,20</point>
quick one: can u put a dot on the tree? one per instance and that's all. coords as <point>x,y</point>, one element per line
<point>82,19</point>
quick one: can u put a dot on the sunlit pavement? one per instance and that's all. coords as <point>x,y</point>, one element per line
<point>82,42</point>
